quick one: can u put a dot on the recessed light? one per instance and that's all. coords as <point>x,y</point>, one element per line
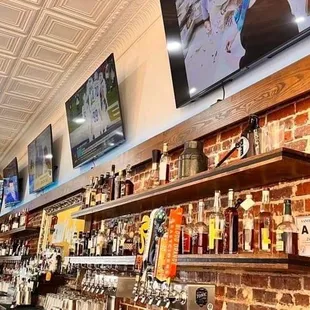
<point>193,90</point>
<point>299,19</point>
<point>174,46</point>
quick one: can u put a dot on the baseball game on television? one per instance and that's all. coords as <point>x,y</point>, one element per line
<point>94,115</point>
<point>40,161</point>
<point>211,42</point>
<point>11,194</point>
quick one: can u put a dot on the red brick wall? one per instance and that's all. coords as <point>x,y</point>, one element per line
<point>237,290</point>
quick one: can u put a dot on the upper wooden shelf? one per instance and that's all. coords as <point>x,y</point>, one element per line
<point>255,262</point>
<point>276,166</point>
<point>19,230</point>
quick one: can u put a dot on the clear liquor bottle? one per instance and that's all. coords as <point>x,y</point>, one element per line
<point>111,184</point>
<point>248,224</point>
<point>87,194</point>
<point>164,166</point>
<point>153,180</point>
<point>200,234</point>
<point>216,227</point>
<point>265,224</point>
<point>231,231</point>
<point>99,189</point>
<point>93,193</point>
<point>187,238</point>
<point>129,186</point>
<point>287,233</point>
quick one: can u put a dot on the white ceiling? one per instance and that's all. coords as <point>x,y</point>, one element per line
<point>49,47</point>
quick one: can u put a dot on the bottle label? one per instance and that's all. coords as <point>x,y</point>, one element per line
<point>265,239</point>
<point>123,188</point>
<point>15,225</point>
<point>248,224</point>
<point>163,171</point>
<point>279,241</point>
<point>98,198</point>
<point>104,198</point>
<point>211,233</point>
<point>87,198</point>
<point>186,243</point>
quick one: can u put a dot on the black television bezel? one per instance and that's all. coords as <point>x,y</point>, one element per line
<point>120,108</point>
<point>52,149</point>
<point>14,160</point>
<point>177,63</point>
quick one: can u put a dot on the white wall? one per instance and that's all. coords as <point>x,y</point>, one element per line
<point>147,98</point>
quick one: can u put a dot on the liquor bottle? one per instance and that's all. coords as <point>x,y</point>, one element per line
<point>129,239</point>
<point>15,221</point>
<point>231,231</point>
<point>75,242</point>
<point>111,184</point>
<point>105,188</point>
<point>129,186</point>
<point>10,222</point>
<point>187,232</point>
<point>200,234</point>
<point>117,187</point>
<point>22,219</point>
<point>248,224</point>
<point>3,249</point>
<point>99,244</point>
<point>164,166</point>
<point>110,234</point>
<point>136,238</point>
<point>153,180</point>
<point>122,239</point>
<point>92,243</point>
<point>216,226</point>
<point>99,189</point>
<point>287,233</point>
<point>123,183</point>
<point>81,244</point>
<point>265,224</point>
<point>93,192</point>
<point>87,194</point>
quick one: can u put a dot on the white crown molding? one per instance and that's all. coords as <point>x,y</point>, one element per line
<point>128,21</point>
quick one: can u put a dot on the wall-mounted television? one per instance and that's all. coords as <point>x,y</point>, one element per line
<point>40,161</point>
<point>212,42</point>
<point>11,194</point>
<point>94,115</point>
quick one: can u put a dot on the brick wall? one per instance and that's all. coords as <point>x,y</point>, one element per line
<point>237,290</point>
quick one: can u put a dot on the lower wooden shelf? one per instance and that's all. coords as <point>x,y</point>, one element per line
<point>20,230</point>
<point>254,262</point>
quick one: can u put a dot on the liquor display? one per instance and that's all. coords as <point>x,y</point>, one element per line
<point>110,238</point>
<point>14,247</point>
<point>108,187</point>
<point>15,221</point>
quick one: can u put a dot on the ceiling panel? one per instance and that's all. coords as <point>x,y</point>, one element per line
<point>48,48</point>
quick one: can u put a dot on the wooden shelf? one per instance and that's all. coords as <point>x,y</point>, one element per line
<point>11,258</point>
<point>277,166</point>
<point>24,230</point>
<point>255,262</point>
<point>102,260</point>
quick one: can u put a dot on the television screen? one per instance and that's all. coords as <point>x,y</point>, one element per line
<point>94,115</point>
<point>40,161</point>
<point>211,42</point>
<point>11,183</point>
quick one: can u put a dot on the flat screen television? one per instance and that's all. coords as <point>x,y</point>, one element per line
<point>212,42</point>
<point>94,115</point>
<point>11,194</point>
<point>40,161</point>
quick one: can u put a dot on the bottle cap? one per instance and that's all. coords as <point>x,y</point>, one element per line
<point>156,156</point>
<point>288,206</point>
<point>165,147</point>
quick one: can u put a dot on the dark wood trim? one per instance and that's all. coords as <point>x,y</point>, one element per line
<point>249,261</point>
<point>286,85</point>
<point>277,166</point>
